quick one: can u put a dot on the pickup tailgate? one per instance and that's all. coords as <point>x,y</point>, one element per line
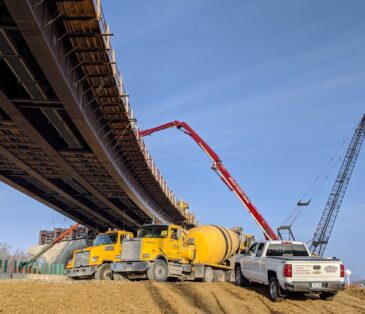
<point>321,270</point>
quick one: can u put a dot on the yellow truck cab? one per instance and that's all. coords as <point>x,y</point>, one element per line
<point>94,261</point>
<point>159,251</point>
<point>149,253</point>
<point>161,241</point>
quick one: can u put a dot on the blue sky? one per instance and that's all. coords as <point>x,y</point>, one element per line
<point>273,87</point>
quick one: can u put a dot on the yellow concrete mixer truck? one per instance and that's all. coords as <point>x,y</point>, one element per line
<point>204,253</point>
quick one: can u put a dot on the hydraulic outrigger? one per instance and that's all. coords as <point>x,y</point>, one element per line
<point>222,172</point>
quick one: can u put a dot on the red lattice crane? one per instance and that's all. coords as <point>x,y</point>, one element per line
<point>222,172</point>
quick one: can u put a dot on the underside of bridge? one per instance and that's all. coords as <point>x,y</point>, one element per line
<point>68,137</point>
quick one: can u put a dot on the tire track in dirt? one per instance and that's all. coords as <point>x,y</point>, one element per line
<point>194,297</point>
<point>241,298</point>
<point>246,295</point>
<point>299,303</point>
<point>180,300</point>
<point>160,300</point>
<point>219,303</point>
<point>204,297</point>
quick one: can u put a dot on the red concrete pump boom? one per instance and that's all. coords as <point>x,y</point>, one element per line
<point>222,172</point>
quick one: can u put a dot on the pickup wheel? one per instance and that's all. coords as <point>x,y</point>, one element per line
<point>158,271</point>
<point>275,292</point>
<point>104,272</point>
<point>208,274</point>
<point>327,296</point>
<point>240,280</point>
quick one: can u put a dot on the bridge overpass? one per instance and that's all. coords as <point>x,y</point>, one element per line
<point>68,136</point>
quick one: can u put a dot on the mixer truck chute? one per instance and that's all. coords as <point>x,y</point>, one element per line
<point>159,251</point>
<point>222,172</point>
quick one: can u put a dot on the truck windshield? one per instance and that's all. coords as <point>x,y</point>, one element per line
<point>153,232</point>
<point>103,239</point>
<point>287,249</point>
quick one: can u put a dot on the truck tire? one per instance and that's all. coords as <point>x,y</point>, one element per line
<point>327,296</point>
<point>240,280</point>
<point>120,277</point>
<point>158,271</point>
<point>103,272</point>
<point>275,293</point>
<point>230,276</point>
<point>219,276</point>
<point>208,274</point>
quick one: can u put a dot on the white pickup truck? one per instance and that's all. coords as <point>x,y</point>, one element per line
<point>286,266</point>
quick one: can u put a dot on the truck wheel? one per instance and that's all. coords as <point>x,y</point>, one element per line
<point>103,272</point>
<point>327,296</point>
<point>240,280</point>
<point>120,277</point>
<point>219,276</point>
<point>275,290</point>
<point>230,277</point>
<point>158,271</point>
<point>208,274</point>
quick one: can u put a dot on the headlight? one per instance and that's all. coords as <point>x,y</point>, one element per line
<point>145,255</point>
<point>117,256</point>
<point>109,248</point>
<point>95,258</point>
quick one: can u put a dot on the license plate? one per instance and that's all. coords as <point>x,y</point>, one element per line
<point>316,285</point>
<point>128,268</point>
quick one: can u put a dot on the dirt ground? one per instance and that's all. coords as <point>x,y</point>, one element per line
<point>173,297</point>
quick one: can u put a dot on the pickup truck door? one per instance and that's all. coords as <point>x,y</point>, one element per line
<point>258,267</point>
<point>247,261</point>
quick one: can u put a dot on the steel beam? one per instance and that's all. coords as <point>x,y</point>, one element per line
<point>21,165</point>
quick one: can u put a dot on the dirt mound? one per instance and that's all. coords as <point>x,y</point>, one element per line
<point>146,297</point>
<point>356,292</point>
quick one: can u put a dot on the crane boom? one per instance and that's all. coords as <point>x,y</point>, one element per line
<point>325,226</point>
<point>223,173</point>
